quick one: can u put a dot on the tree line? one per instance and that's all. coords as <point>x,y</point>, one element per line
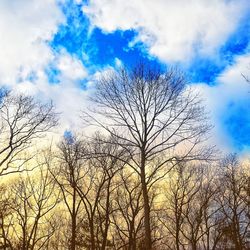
<point>146,178</point>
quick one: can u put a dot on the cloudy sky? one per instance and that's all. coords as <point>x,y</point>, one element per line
<point>55,49</point>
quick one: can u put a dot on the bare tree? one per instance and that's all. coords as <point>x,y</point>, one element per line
<point>106,157</point>
<point>22,121</point>
<point>84,172</point>
<point>33,199</point>
<point>156,118</point>
<point>127,218</point>
<point>234,203</point>
<point>96,187</point>
<point>190,213</point>
<point>6,219</point>
<point>180,192</point>
<point>200,211</point>
<point>66,170</point>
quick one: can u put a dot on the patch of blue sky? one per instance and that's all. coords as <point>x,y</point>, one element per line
<point>72,34</point>
<point>207,69</point>
<point>93,47</point>
<point>114,45</point>
<point>53,74</point>
<point>237,124</point>
<point>31,76</point>
<point>237,44</point>
<point>69,136</point>
<point>83,83</point>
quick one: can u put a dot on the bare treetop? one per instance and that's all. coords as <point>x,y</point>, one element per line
<point>151,109</point>
<point>22,120</point>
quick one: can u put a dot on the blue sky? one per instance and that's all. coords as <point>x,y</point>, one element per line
<point>55,49</point>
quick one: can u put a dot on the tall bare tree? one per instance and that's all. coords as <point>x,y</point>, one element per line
<point>22,121</point>
<point>156,118</point>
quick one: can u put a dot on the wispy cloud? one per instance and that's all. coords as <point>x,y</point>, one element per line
<point>25,28</point>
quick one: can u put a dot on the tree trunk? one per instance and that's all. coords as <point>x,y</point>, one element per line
<point>177,239</point>
<point>146,207</point>
<point>73,225</point>
<point>105,235</point>
<point>132,238</point>
<point>73,232</point>
<point>194,245</point>
<point>92,234</point>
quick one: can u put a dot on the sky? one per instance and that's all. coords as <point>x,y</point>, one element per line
<point>56,49</point>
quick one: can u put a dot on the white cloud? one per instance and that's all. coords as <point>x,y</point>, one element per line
<point>172,30</point>
<point>67,95</point>
<point>25,28</point>
<point>71,68</point>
